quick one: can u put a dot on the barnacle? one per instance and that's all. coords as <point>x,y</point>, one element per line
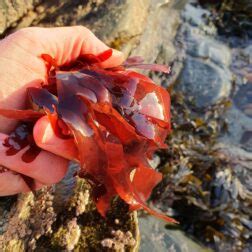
<point>117,117</point>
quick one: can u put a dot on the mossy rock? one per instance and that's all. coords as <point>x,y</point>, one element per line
<point>37,222</point>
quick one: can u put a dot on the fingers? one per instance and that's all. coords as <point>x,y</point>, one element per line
<point>66,44</point>
<point>46,139</point>
<point>47,168</point>
<point>12,183</point>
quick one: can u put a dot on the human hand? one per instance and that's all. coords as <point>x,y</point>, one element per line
<point>21,66</point>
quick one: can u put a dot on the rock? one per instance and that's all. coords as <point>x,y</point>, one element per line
<point>198,17</point>
<point>30,219</point>
<point>206,47</point>
<point>12,11</point>
<point>242,65</point>
<point>204,82</point>
<point>246,140</point>
<point>236,155</point>
<point>6,203</point>
<point>234,20</point>
<point>205,77</point>
<point>119,241</point>
<point>160,31</point>
<point>64,190</point>
<point>243,99</point>
<point>155,237</point>
<point>239,128</point>
<point>156,43</point>
<point>248,53</point>
<point>241,161</point>
<point>35,222</point>
<point>68,236</point>
<point>155,162</point>
<point>195,15</point>
<point>118,23</point>
<point>244,6</point>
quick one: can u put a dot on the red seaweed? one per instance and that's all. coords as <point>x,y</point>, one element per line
<point>117,117</point>
<point>20,114</point>
<point>20,138</point>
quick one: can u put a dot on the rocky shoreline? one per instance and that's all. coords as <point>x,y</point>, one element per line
<point>207,167</point>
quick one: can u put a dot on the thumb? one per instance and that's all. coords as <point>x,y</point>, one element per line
<point>46,139</point>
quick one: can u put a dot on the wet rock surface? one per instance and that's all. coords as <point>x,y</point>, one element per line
<point>203,82</point>
<point>243,99</point>
<point>35,222</point>
<point>205,78</point>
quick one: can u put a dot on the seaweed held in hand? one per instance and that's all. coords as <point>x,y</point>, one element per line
<point>117,117</point>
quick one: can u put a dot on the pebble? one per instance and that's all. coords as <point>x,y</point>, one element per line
<point>204,82</point>
<point>206,47</point>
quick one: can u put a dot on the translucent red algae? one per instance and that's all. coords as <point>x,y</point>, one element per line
<point>117,117</point>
